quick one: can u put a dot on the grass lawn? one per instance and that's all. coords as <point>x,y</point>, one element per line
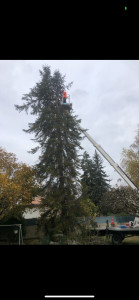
<point>94,240</point>
<point>32,242</point>
<point>134,240</point>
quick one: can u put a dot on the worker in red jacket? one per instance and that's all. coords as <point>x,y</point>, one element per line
<point>64,97</point>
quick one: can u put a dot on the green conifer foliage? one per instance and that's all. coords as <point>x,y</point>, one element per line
<point>94,178</point>
<point>58,137</point>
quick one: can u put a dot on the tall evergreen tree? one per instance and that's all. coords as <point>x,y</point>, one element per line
<point>101,178</point>
<point>94,178</point>
<point>87,178</point>
<point>58,137</point>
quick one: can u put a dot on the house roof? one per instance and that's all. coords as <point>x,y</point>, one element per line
<point>36,200</point>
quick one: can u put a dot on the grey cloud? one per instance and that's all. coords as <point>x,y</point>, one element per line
<point>104,95</point>
<point>79,93</point>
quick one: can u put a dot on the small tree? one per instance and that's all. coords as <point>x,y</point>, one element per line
<point>101,184</point>
<point>94,179</point>
<point>122,200</point>
<point>87,179</point>
<point>130,160</point>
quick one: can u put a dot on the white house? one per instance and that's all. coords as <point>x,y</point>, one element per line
<point>33,212</point>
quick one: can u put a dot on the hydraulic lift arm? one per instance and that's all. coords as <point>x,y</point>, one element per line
<point>110,160</point>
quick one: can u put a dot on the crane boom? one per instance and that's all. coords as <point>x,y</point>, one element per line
<point>110,160</point>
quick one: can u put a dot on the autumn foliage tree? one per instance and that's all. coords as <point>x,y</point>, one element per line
<point>130,160</point>
<point>124,199</point>
<point>18,183</point>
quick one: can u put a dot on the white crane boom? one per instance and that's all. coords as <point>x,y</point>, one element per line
<point>109,159</point>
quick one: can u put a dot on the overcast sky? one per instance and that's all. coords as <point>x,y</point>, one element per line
<point>104,94</point>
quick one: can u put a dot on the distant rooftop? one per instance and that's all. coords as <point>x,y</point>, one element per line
<point>37,200</point>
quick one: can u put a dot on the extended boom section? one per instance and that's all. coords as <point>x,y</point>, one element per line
<point>110,160</point>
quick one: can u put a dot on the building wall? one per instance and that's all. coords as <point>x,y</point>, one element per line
<point>32,230</point>
<point>31,213</point>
